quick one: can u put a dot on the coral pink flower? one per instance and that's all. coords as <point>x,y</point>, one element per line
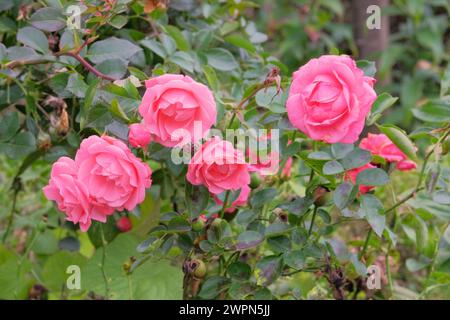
<point>112,174</point>
<point>72,196</point>
<point>241,200</point>
<point>177,110</point>
<point>104,177</point>
<point>381,145</point>
<point>329,99</point>
<point>139,136</point>
<point>218,166</point>
<point>351,175</point>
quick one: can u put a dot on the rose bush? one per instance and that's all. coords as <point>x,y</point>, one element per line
<point>209,150</point>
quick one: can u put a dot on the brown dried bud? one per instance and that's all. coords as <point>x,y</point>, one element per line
<point>59,118</point>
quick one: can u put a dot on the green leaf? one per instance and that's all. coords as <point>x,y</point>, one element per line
<point>141,75</point>
<point>221,59</point>
<point>415,265</point>
<point>433,111</point>
<point>320,155</point>
<point>115,68</point>
<point>33,38</point>
<point>88,99</point>
<point>268,269</point>
<point>213,286</point>
<point>239,271</point>
<point>117,111</point>
<point>118,22</point>
<point>400,139</point>
<point>179,38</point>
<point>19,146</point>
<point>241,42</point>
<point>151,280</point>
<point>46,243</point>
<point>260,198</point>
<point>249,239</point>
<point>112,48</point>
<point>372,177</point>
<point>244,217</point>
<point>276,229</point>
<point>178,224</point>
<point>211,77</point>
<point>7,24</point>
<point>184,60</point>
<point>9,126</point>
<point>383,102</point>
<point>334,5</point>
<point>340,150</point>
<point>98,117</point>
<point>332,167</point>
<point>297,207</point>
<point>155,47</point>
<point>279,244</point>
<point>48,19</point>
<point>76,85</point>
<point>445,82</point>
<point>168,44</point>
<point>54,272</point>
<point>368,67</point>
<point>295,259</point>
<point>266,96</point>
<point>109,228</point>
<point>344,194</point>
<point>356,159</point>
<point>373,210</point>
<point>14,281</point>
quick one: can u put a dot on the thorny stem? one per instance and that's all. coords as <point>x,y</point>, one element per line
<point>74,54</point>
<point>88,66</point>
<point>366,244</point>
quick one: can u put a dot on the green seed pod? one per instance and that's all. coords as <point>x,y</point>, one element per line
<point>199,268</point>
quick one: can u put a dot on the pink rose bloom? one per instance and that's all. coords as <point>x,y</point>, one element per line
<point>218,166</point>
<point>265,165</point>
<point>72,196</point>
<point>177,110</point>
<point>241,200</point>
<point>112,174</point>
<point>330,98</point>
<point>139,136</point>
<point>381,145</point>
<point>351,175</point>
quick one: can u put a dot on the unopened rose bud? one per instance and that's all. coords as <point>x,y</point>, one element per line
<point>255,180</point>
<point>124,224</point>
<point>198,224</point>
<point>139,135</point>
